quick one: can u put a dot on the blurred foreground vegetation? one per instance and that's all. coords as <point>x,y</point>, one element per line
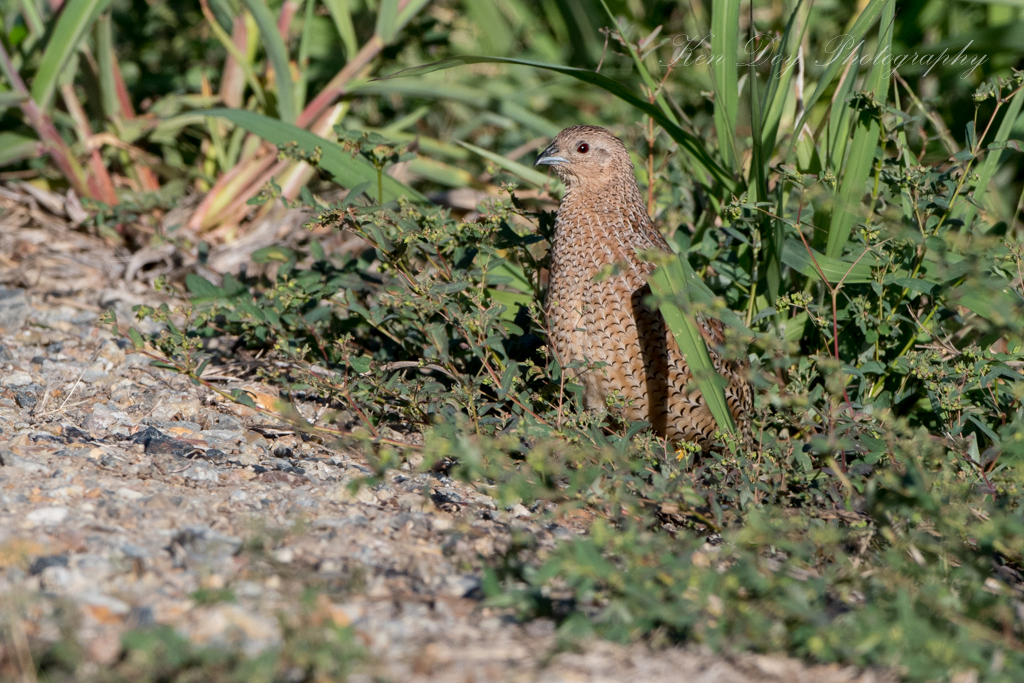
<point>857,229</point>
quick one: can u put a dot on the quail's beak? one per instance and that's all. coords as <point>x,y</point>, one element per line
<point>549,157</point>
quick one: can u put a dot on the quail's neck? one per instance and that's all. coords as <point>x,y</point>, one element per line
<point>614,204</point>
<point>610,222</point>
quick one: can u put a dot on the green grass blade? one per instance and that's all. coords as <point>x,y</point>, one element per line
<point>387,20</point>
<point>75,19</point>
<point>242,60</point>
<point>777,90</point>
<point>105,59</point>
<point>907,159</point>
<point>302,85</point>
<point>725,31</point>
<point>496,35</point>
<point>514,167</point>
<point>15,148</point>
<point>862,150</point>
<point>33,19</point>
<point>992,300</point>
<point>669,286</point>
<point>451,92</point>
<point>840,121</point>
<point>224,12</point>
<point>856,34</point>
<point>689,143</point>
<point>700,293</point>
<point>11,98</point>
<point>440,172</point>
<point>794,255</point>
<point>410,10</point>
<point>341,15</point>
<point>347,171</point>
<point>513,109</point>
<point>988,167</point>
<point>771,229</point>
<point>277,53</point>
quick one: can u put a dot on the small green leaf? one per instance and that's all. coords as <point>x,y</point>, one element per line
<point>274,253</point>
<point>316,249</point>
<point>202,287</point>
<point>242,397</point>
<point>360,364</point>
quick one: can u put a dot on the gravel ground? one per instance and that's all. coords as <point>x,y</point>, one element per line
<point>130,498</point>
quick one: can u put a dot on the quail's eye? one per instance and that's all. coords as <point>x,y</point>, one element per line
<point>583,148</point>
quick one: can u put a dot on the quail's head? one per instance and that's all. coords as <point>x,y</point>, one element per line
<point>586,155</point>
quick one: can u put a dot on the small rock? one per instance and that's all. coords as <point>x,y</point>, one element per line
<point>73,433</point>
<point>170,409</point>
<point>219,421</point>
<point>60,579</point>
<point>224,623</point>
<point>8,459</point>
<point>47,516</point>
<point>134,551</point>
<point>201,473</point>
<point>415,501</point>
<point>462,586</point>
<point>72,491</point>
<point>93,376</point>
<point>90,452</point>
<point>520,510</point>
<point>158,443</point>
<point>104,419</point>
<point>25,400</point>
<point>173,427</point>
<point>17,379</point>
<point>279,477</point>
<point>109,604</point>
<point>365,495</point>
<point>223,438</point>
<point>13,309</point>
<point>126,493</point>
<point>213,455</point>
<point>41,563</point>
<point>200,545</point>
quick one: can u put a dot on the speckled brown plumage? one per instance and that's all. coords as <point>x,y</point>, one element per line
<point>602,225</point>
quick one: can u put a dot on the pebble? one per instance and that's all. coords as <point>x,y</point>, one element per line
<point>47,516</point>
<point>14,309</point>
<point>126,493</point>
<point>16,379</point>
<point>9,459</point>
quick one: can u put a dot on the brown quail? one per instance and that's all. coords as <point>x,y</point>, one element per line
<point>602,224</point>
